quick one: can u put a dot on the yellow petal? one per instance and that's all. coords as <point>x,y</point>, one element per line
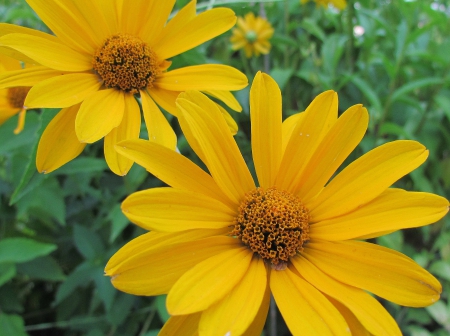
<point>145,18</point>
<point>176,24</point>
<point>63,91</point>
<point>320,115</point>
<point>49,53</point>
<point>288,127</point>
<point>265,116</point>
<point>155,271</point>
<point>208,281</point>
<point>200,29</point>
<point>232,125</point>
<point>159,129</point>
<point>9,64</point>
<point>366,178</point>
<point>129,256</point>
<point>7,28</point>
<point>207,128</point>
<point>99,114</point>
<point>66,22</point>
<point>236,311</point>
<point>334,148</point>
<point>366,308</point>
<point>202,77</point>
<point>169,210</point>
<point>227,97</point>
<point>59,143</point>
<point>356,328</point>
<point>129,128</point>
<point>165,164</point>
<point>165,99</point>
<point>384,272</point>
<point>257,326</point>
<point>186,325</point>
<point>305,310</point>
<point>6,113</point>
<point>394,209</point>
<point>26,77</point>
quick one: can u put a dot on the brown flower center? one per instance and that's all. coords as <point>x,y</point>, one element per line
<point>16,96</point>
<point>126,63</point>
<point>272,223</point>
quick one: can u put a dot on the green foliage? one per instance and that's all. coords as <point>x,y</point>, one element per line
<point>57,231</point>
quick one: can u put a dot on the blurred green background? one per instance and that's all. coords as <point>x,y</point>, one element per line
<point>57,231</point>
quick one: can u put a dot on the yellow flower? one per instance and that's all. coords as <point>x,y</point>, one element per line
<point>339,4</point>
<point>252,34</point>
<point>105,52</point>
<point>12,99</point>
<point>220,243</point>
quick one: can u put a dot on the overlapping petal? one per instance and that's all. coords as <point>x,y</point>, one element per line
<point>200,29</point>
<point>27,77</point>
<point>237,310</point>
<point>154,271</point>
<point>394,209</point>
<point>208,281</point>
<point>48,53</point>
<point>366,308</point>
<point>59,143</point>
<point>223,158</point>
<point>305,310</point>
<point>366,178</point>
<point>265,116</point>
<point>319,117</point>
<point>384,272</point>
<point>202,77</point>
<point>169,209</point>
<point>129,128</point>
<point>99,114</point>
<point>186,325</point>
<point>63,91</point>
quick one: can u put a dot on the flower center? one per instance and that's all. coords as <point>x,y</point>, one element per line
<point>272,223</point>
<point>251,36</point>
<point>16,96</point>
<point>126,63</point>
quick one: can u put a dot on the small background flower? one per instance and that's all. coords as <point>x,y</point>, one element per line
<point>339,4</point>
<point>252,34</point>
<point>12,99</point>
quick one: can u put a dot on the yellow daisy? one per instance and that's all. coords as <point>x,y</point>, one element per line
<point>253,34</point>
<point>220,243</point>
<point>339,4</point>
<point>103,53</point>
<point>12,99</point>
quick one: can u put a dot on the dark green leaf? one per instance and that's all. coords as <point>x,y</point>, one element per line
<point>18,250</point>
<point>12,325</point>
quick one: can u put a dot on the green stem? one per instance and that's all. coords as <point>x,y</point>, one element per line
<point>351,41</point>
<point>246,65</point>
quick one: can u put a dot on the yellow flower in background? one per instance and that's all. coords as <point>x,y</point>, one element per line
<point>103,53</point>
<point>253,34</point>
<point>339,4</point>
<point>220,243</point>
<point>12,99</point>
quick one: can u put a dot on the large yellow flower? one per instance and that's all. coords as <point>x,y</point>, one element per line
<point>339,4</point>
<point>253,34</point>
<point>12,99</point>
<point>220,243</point>
<point>105,52</point>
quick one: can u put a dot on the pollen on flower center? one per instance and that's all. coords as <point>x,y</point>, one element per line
<point>272,223</point>
<point>16,96</point>
<point>126,63</point>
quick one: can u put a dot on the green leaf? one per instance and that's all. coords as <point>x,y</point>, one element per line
<point>368,93</point>
<point>440,313</point>
<point>82,165</point>
<point>18,250</point>
<point>311,27</point>
<point>160,303</point>
<point>105,289</point>
<point>31,178</point>
<point>332,51</point>
<point>118,221</point>
<point>281,76</point>
<point>42,268</point>
<point>12,325</point>
<point>441,268</point>
<point>87,242</point>
<point>414,85</point>
<point>7,272</point>
<point>80,277</point>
